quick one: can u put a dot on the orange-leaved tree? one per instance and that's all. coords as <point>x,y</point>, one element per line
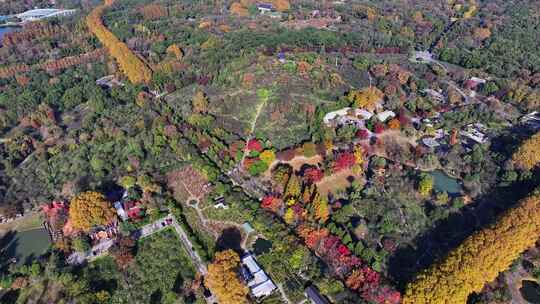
<point>222,278</point>
<point>90,209</point>
<point>133,67</point>
<point>528,154</point>
<point>480,258</point>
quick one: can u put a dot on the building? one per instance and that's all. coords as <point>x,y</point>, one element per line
<point>314,297</point>
<point>532,121</point>
<point>384,116</point>
<point>430,142</point>
<point>120,211</point>
<point>475,132</point>
<point>265,8</point>
<point>435,95</point>
<point>219,202</point>
<point>38,14</point>
<point>256,279</point>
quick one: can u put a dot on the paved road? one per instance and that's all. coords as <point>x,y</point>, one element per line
<point>98,250</point>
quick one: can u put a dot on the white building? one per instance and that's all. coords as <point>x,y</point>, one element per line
<point>120,211</point>
<point>384,116</point>
<point>475,132</point>
<point>257,280</point>
<point>265,8</point>
<point>38,14</point>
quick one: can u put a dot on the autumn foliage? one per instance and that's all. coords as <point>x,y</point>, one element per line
<point>367,98</point>
<point>272,203</point>
<point>313,175</point>
<point>344,161</point>
<point>239,10</point>
<point>90,209</point>
<point>133,67</point>
<point>223,281</point>
<point>153,11</point>
<point>31,31</point>
<point>480,258</point>
<point>528,156</point>
<point>53,65</point>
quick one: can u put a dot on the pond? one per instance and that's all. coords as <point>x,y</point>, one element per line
<point>443,182</point>
<point>26,245</point>
<point>261,246</point>
<point>530,290</point>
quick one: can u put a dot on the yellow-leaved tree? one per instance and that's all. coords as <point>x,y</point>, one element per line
<point>90,209</point>
<point>528,154</point>
<point>367,98</point>
<point>223,281</point>
<point>133,67</point>
<point>480,258</point>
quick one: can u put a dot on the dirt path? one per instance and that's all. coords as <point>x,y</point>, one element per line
<point>283,294</point>
<point>336,181</point>
<point>297,162</point>
<point>514,281</point>
<point>252,130</point>
<point>206,223</point>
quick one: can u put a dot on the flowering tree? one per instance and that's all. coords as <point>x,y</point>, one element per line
<point>272,203</point>
<point>344,161</point>
<point>313,175</point>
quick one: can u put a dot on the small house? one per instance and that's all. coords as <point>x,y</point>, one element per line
<point>247,228</point>
<point>384,116</point>
<point>475,132</point>
<point>256,279</point>
<point>219,203</point>
<point>265,8</point>
<point>120,211</point>
<point>430,142</point>
<point>281,57</point>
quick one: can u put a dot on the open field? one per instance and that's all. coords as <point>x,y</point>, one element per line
<point>25,223</point>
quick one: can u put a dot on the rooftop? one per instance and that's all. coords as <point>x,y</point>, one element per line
<point>315,297</point>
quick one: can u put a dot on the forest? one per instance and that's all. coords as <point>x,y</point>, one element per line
<point>365,172</point>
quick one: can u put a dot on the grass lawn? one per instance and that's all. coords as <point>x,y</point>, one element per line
<point>28,222</point>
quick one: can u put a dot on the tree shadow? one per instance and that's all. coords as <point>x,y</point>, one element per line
<point>230,238</point>
<point>447,234</point>
<point>112,190</point>
<point>8,249</point>
<point>156,296</point>
<point>407,261</point>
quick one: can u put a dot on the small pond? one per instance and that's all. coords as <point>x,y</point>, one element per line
<point>261,246</point>
<point>443,182</point>
<point>530,290</point>
<point>26,245</point>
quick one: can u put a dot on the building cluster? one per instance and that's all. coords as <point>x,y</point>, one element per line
<point>39,14</point>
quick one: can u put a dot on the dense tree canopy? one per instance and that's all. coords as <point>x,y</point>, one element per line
<point>223,280</point>
<point>90,209</point>
<point>134,68</point>
<point>480,258</point>
<point>528,154</point>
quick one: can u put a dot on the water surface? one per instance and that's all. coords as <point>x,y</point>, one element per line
<point>444,183</point>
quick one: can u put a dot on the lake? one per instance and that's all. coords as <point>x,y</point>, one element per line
<point>26,245</point>
<point>443,182</point>
<point>530,291</point>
